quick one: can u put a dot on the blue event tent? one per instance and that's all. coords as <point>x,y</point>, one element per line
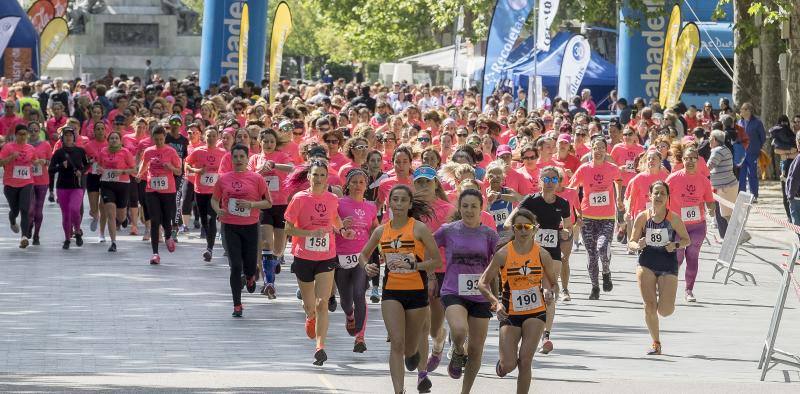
<point>23,48</point>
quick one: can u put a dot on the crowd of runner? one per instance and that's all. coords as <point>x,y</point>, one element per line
<point>445,209</point>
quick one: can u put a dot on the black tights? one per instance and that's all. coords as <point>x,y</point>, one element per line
<point>162,210</point>
<point>19,204</point>
<point>208,218</point>
<point>242,247</point>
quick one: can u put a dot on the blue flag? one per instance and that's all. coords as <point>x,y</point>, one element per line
<point>506,26</point>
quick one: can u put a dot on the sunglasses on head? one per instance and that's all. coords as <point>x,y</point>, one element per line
<point>523,226</point>
<point>552,179</point>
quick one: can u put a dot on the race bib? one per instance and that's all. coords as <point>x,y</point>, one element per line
<point>599,199</point>
<point>690,214</point>
<point>499,216</point>
<point>235,210</point>
<point>21,172</point>
<point>110,176</point>
<point>629,166</point>
<point>656,237</point>
<point>95,168</point>
<point>37,170</point>
<point>348,260</point>
<point>468,284</point>
<point>406,259</point>
<point>273,183</point>
<point>318,244</point>
<point>526,300</point>
<point>159,183</point>
<point>547,238</point>
<point>209,179</point>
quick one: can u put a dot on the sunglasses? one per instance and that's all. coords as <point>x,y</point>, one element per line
<point>298,133</point>
<point>529,157</point>
<point>332,141</point>
<point>360,147</point>
<point>552,179</point>
<point>461,135</point>
<point>424,139</point>
<point>523,226</point>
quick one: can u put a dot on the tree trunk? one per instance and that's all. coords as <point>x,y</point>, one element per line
<point>746,83</point>
<point>793,66</point>
<point>771,92</point>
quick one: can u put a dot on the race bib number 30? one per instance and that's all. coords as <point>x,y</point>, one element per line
<point>599,199</point>
<point>656,237</point>
<point>236,210</point>
<point>347,261</point>
<point>547,238</point>
<point>318,244</point>
<point>526,300</point>
<point>21,172</point>
<point>159,183</point>
<point>690,214</point>
<point>468,284</point>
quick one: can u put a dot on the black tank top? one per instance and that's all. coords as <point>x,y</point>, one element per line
<point>657,237</point>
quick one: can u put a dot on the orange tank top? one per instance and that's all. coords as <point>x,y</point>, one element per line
<point>400,245</point>
<point>521,279</point>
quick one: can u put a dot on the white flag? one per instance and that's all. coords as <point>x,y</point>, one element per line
<point>7,27</point>
<point>576,58</point>
<point>545,17</point>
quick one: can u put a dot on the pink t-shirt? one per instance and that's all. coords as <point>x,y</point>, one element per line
<point>235,186</point>
<point>52,125</point>
<point>625,156</point>
<point>387,184</point>
<point>40,175</point>
<point>275,179</point>
<point>638,191</point>
<point>119,160</point>
<point>687,193</point>
<point>514,180</point>
<point>598,189</point>
<point>571,195</point>
<point>293,151</point>
<point>581,150</point>
<point>363,214</point>
<point>442,212</point>
<point>157,175</point>
<point>9,123</point>
<point>488,220</point>
<point>308,211</point>
<point>337,161</point>
<point>18,172</point>
<point>343,170</point>
<point>93,149</point>
<point>702,167</point>
<point>208,159</point>
<point>530,181</point>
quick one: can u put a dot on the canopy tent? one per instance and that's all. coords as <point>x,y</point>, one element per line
<point>600,76</point>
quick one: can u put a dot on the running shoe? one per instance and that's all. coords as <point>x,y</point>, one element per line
<point>124,223</point>
<point>350,325</point>
<point>359,346</point>
<point>565,295</point>
<point>101,239</point>
<point>434,359</point>
<point>93,225</point>
<point>298,294</point>
<point>15,228</point>
<point>183,229</point>
<point>36,240</point>
<point>375,296</point>
<point>607,285</point>
<point>311,328</point>
<point>320,357</point>
<point>79,238</point>
<point>202,233</point>
<point>51,197</point>
<point>113,247</point>
<point>65,245</point>
<point>412,362</point>
<point>424,383</point>
<point>251,284</point>
<point>332,304</point>
<point>269,291</point>
<point>498,370</point>
<point>170,245</point>
<point>595,293</point>
<point>23,243</point>
<point>207,255</point>
<point>237,311</point>
<point>547,346</point>
<point>456,367</point>
<point>690,296</point>
<point>655,349</point>
<point>155,260</point>
<point>620,234</point>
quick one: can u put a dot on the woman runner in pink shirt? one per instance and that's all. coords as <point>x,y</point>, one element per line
<point>116,165</point>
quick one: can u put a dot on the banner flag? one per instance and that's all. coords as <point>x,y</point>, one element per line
<point>545,16</point>
<point>668,59</point>
<point>577,53</point>
<point>685,51</point>
<point>508,20</point>
<point>281,27</point>
<point>60,6</point>
<point>40,14</point>
<point>7,27</point>
<point>52,37</point>
<point>244,32</point>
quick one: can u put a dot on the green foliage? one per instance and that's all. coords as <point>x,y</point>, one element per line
<point>772,13</point>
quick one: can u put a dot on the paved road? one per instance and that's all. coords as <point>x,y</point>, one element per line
<point>85,319</point>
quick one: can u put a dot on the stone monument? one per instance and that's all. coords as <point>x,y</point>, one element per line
<point>123,34</point>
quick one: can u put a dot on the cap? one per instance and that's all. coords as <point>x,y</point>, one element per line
<point>424,172</point>
<point>286,125</point>
<point>565,137</point>
<point>318,151</point>
<point>175,118</point>
<point>503,150</point>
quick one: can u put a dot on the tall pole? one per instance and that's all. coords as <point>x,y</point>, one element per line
<point>532,93</point>
<point>457,48</point>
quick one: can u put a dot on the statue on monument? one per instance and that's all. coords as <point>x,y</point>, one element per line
<point>187,18</point>
<point>78,12</point>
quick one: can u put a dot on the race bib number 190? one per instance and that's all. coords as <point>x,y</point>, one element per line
<point>526,300</point>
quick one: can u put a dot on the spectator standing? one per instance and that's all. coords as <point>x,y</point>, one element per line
<point>757,136</point>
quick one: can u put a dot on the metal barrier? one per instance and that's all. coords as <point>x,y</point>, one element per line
<point>768,359</point>
<point>727,253</point>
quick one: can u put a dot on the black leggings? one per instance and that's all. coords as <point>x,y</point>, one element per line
<point>188,199</point>
<point>352,284</point>
<point>242,241</point>
<point>208,218</point>
<point>19,203</point>
<point>142,185</point>
<point>162,209</point>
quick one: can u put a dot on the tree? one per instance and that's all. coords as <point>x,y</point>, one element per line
<point>793,64</point>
